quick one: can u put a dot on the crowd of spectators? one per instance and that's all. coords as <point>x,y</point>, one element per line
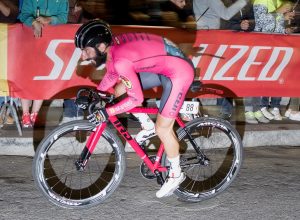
<point>39,14</point>
<point>275,16</point>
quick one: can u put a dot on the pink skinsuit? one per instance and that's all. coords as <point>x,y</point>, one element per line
<point>133,53</point>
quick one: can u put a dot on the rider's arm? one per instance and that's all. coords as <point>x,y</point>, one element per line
<point>108,81</point>
<point>133,88</point>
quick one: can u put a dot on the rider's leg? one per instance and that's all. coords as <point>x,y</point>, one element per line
<point>164,130</point>
<point>148,127</point>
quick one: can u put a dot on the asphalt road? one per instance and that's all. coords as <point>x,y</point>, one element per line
<point>268,187</point>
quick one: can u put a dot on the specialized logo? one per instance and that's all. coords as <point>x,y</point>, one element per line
<point>59,64</point>
<point>224,63</point>
<point>242,62</point>
<point>126,82</point>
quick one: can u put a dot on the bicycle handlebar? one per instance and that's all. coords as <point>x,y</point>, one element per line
<point>87,99</point>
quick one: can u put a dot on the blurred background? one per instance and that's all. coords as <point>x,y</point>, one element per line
<point>152,13</point>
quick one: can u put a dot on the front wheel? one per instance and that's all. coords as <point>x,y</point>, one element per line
<point>211,153</point>
<point>57,176</point>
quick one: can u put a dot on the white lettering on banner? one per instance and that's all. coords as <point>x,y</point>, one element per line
<point>249,62</point>
<point>271,70</point>
<point>58,62</point>
<point>215,60</point>
<point>220,75</point>
<point>286,59</point>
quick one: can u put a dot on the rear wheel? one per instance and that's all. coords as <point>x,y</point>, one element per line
<point>57,176</point>
<point>212,167</point>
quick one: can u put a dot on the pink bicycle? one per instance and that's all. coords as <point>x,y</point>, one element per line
<point>79,165</point>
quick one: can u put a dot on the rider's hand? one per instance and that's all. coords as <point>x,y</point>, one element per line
<point>109,98</point>
<point>98,116</point>
<point>82,102</point>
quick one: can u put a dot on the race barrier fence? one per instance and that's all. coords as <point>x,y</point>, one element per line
<point>229,63</point>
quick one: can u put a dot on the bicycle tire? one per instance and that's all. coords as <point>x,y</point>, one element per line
<point>222,145</point>
<point>55,173</point>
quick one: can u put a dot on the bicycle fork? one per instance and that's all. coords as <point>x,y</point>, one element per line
<point>86,153</point>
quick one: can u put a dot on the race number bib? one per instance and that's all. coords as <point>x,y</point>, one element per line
<point>189,107</point>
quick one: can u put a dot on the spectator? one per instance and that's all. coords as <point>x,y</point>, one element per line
<point>244,21</point>
<point>241,21</point>
<point>177,13</point>
<point>8,14</point>
<point>43,12</point>
<point>39,14</point>
<point>208,14</point>
<point>270,17</point>
<point>77,14</point>
<point>293,112</point>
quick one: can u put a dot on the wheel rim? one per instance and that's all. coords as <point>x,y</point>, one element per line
<point>218,144</point>
<point>65,185</point>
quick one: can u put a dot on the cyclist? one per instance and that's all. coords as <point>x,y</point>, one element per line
<point>141,61</point>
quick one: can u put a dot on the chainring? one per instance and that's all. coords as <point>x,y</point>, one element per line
<point>145,171</point>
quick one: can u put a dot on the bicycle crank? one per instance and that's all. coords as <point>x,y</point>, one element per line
<point>145,171</point>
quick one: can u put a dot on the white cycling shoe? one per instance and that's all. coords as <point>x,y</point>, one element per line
<point>170,185</point>
<point>144,134</point>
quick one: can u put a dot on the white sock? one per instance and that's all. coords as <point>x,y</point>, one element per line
<point>175,169</point>
<point>145,120</point>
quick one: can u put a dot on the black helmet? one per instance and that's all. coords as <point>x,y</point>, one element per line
<point>92,33</point>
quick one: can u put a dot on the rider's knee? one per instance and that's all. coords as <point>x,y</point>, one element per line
<point>163,130</point>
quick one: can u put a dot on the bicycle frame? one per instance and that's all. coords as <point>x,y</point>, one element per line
<point>94,138</point>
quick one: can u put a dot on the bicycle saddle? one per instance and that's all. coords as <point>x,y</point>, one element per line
<point>196,86</point>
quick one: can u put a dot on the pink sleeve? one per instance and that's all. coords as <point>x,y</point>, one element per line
<point>133,87</point>
<point>109,80</point>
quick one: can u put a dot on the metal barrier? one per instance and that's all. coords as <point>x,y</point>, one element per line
<point>8,107</point>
